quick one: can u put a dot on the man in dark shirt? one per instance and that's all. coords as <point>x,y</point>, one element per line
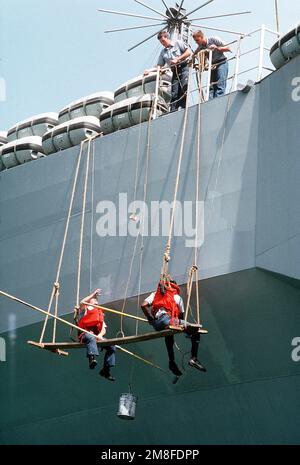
<point>219,73</point>
<point>175,55</point>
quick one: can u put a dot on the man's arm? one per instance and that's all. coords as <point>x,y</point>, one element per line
<point>182,57</point>
<point>94,295</point>
<point>102,332</point>
<point>222,49</point>
<point>180,305</point>
<point>219,45</point>
<point>151,70</point>
<point>145,308</point>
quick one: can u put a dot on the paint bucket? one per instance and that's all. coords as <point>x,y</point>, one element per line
<point>127,406</point>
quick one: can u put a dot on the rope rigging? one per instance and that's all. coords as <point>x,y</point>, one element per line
<point>141,231</point>
<point>54,292</point>
<point>167,257</point>
<point>142,216</point>
<point>194,269</point>
<point>87,149</point>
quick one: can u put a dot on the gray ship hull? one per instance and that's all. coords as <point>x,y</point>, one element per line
<point>250,189</point>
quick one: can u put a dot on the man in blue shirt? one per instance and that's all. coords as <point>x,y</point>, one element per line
<point>219,73</point>
<point>175,55</point>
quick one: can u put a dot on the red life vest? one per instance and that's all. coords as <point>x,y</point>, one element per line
<point>166,301</point>
<point>92,320</point>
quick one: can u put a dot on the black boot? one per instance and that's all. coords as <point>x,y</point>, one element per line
<point>174,368</point>
<point>106,374</point>
<point>92,362</point>
<point>194,362</point>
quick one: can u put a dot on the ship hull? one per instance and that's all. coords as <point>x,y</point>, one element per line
<point>249,269</point>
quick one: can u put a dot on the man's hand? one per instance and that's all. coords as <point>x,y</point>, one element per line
<point>150,320</point>
<point>97,292</point>
<point>213,47</point>
<point>146,72</point>
<point>175,61</point>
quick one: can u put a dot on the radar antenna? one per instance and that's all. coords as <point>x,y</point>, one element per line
<point>176,20</point>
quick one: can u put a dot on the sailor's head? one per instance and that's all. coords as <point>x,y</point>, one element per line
<point>199,38</point>
<point>164,38</point>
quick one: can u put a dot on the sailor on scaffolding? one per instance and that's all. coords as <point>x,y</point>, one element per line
<point>219,72</point>
<point>175,55</point>
<point>91,318</point>
<point>168,310</point>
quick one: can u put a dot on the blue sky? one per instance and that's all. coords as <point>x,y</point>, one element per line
<point>55,51</point>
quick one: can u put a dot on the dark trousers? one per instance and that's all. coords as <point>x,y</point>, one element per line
<point>163,322</point>
<point>195,340</point>
<point>179,87</point>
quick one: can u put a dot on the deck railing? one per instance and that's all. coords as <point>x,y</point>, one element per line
<point>250,63</point>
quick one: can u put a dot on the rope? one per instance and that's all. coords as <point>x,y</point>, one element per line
<point>198,298</point>
<point>193,271</point>
<point>116,312</point>
<point>166,258</point>
<point>199,74</point>
<point>57,287</point>
<point>82,224</point>
<point>92,214</point>
<point>128,282</point>
<point>183,355</point>
<point>64,240</point>
<point>133,218</point>
<point>143,213</point>
<point>138,357</point>
<point>137,161</point>
<point>142,233</point>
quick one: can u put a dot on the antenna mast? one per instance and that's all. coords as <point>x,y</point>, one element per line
<point>277,15</point>
<point>176,20</point>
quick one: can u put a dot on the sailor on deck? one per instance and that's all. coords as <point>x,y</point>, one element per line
<point>175,55</point>
<point>91,319</point>
<point>168,309</point>
<point>219,73</point>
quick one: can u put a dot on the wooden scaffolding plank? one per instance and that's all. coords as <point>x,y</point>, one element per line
<point>42,346</point>
<point>108,342</point>
<point>200,329</point>
<point>58,346</point>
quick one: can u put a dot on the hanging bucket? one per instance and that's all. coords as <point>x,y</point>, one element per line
<point>127,406</point>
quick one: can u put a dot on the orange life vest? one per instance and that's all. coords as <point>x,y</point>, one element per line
<point>92,320</point>
<point>164,298</point>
